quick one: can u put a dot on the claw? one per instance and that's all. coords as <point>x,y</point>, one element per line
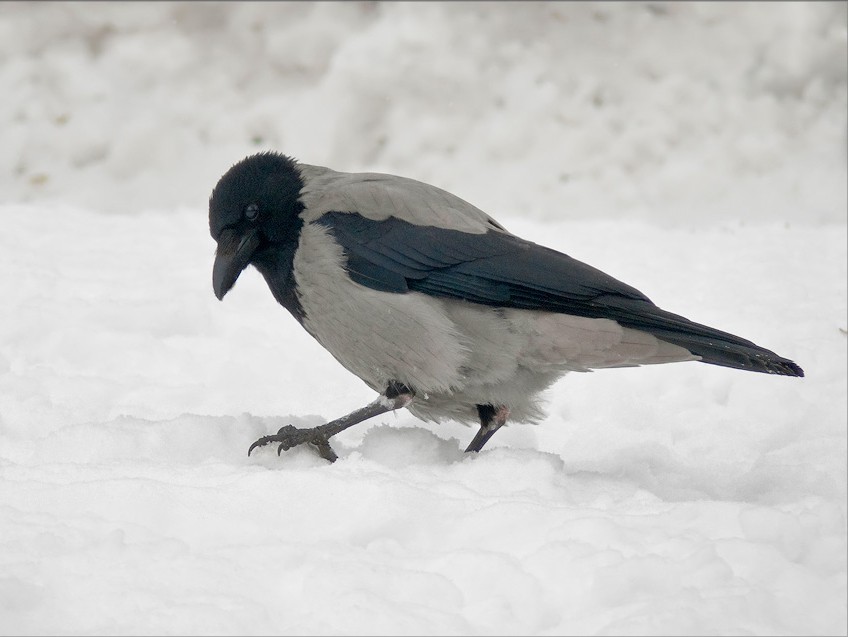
<point>264,440</point>
<point>290,437</point>
<point>324,449</point>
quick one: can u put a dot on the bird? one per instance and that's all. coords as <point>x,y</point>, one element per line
<point>433,303</point>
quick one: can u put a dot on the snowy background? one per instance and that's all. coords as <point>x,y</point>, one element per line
<point>695,151</point>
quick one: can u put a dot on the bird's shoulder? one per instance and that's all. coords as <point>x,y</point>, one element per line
<point>379,196</point>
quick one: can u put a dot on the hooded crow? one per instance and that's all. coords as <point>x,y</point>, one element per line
<point>434,304</point>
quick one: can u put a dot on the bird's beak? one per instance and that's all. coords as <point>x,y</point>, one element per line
<point>233,255</point>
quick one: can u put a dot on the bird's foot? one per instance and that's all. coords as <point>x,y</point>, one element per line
<point>396,396</point>
<point>290,436</point>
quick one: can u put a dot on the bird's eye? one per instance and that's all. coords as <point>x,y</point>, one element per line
<point>251,212</point>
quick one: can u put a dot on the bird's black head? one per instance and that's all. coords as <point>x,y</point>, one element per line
<point>253,207</point>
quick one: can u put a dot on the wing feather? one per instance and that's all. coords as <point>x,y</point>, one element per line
<point>499,269</point>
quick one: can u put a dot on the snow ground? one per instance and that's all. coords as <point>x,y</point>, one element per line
<point>680,499</point>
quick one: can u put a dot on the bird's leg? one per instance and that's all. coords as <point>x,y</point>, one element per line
<point>491,419</point>
<point>396,396</point>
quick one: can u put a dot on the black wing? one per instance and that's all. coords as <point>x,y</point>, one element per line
<point>499,269</point>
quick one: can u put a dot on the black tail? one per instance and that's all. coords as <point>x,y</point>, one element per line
<point>713,346</point>
<point>720,348</point>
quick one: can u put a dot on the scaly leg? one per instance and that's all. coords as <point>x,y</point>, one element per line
<point>491,419</point>
<point>396,396</point>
